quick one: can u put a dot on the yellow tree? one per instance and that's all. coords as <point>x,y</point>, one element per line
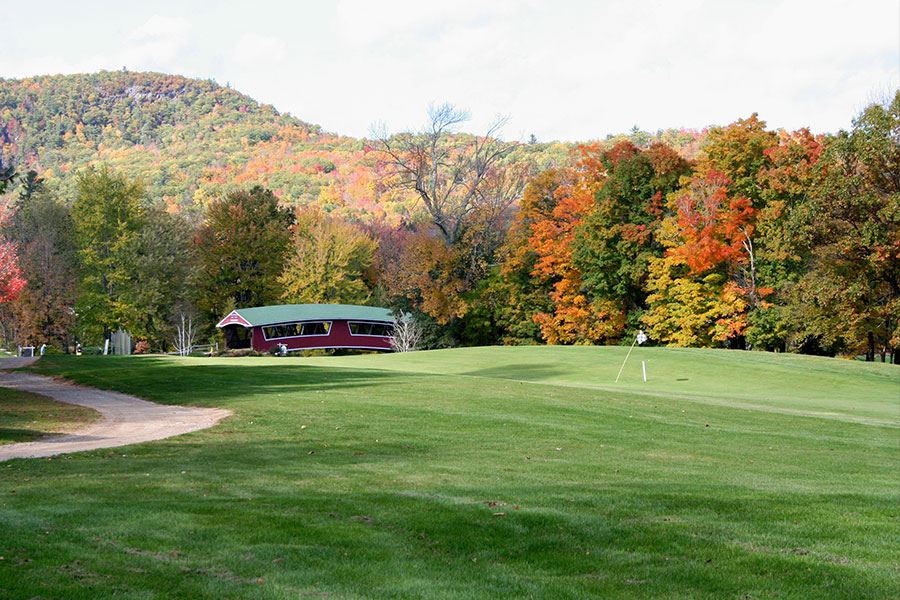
<point>329,261</point>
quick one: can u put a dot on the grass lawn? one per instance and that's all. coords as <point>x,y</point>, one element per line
<point>486,472</point>
<point>26,417</point>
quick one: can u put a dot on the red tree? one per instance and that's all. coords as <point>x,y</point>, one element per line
<point>11,280</point>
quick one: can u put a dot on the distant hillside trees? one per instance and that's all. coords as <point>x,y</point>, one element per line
<point>771,240</point>
<point>192,141</point>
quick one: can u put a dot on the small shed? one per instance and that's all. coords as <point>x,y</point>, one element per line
<point>309,327</point>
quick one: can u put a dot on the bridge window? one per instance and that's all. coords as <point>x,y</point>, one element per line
<point>290,330</point>
<point>374,329</point>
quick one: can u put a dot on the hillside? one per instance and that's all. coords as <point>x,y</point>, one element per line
<point>190,140</point>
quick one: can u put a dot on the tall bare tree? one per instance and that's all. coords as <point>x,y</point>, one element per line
<point>453,174</point>
<point>408,333</point>
<point>185,335</point>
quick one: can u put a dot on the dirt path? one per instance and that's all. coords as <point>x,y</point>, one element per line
<point>124,419</point>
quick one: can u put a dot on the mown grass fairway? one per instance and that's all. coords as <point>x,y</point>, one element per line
<point>26,417</point>
<point>489,472</point>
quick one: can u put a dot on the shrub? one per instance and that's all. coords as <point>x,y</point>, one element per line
<point>241,352</point>
<point>142,347</point>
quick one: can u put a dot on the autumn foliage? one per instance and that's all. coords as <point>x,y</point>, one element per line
<point>575,318</point>
<point>172,195</point>
<point>711,226</point>
<point>11,280</point>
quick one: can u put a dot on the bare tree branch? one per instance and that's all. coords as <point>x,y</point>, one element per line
<point>451,174</point>
<point>408,333</point>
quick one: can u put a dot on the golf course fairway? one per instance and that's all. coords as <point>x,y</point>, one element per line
<point>474,473</point>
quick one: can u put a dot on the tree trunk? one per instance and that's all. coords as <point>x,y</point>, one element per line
<point>870,353</point>
<point>738,342</point>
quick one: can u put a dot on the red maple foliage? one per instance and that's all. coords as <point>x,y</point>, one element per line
<point>712,225</point>
<point>11,280</point>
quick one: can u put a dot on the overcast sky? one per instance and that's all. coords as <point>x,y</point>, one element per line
<point>560,69</point>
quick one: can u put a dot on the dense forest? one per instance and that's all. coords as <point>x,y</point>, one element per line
<point>132,199</point>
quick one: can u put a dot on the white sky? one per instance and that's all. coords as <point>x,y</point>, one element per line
<point>561,69</point>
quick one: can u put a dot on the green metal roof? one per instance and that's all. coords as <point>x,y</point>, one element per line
<point>285,313</point>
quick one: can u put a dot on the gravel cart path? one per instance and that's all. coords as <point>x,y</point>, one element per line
<point>124,419</point>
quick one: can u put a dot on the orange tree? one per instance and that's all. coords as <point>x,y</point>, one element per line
<point>573,317</point>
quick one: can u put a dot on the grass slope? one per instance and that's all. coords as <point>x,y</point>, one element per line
<point>488,472</point>
<point>26,417</point>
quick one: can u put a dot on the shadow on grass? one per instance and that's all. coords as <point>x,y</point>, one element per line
<point>174,382</point>
<point>10,435</point>
<point>519,372</point>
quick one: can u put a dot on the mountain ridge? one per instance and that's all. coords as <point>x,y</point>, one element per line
<point>190,140</point>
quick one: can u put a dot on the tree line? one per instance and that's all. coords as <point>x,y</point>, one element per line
<point>770,240</point>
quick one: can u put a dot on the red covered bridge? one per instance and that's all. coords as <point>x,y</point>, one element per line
<point>309,327</point>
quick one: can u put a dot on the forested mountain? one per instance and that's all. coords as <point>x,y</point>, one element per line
<point>190,140</point>
<point>203,200</point>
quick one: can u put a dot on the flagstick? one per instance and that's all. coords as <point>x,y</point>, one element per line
<point>626,359</point>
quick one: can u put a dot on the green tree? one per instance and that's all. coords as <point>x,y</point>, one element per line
<point>329,261</point>
<point>108,214</point>
<point>850,291</point>
<point>739,151</point>
<point>161,261</point>
<point>780,250</point>
<point>241,252</point>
